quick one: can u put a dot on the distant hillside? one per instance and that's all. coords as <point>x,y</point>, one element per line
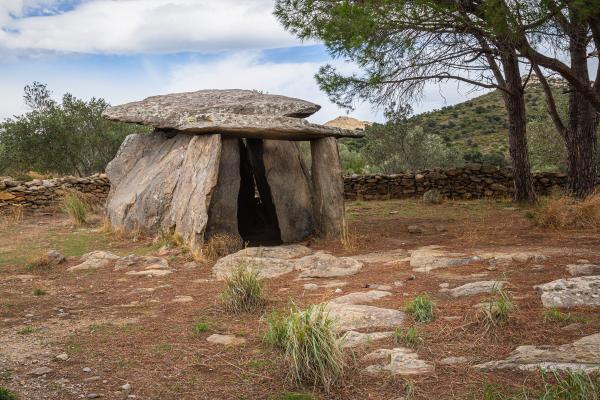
<point>348,123</point>
<point>480,124</point>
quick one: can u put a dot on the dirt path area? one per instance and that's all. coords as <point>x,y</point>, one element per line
<point>104,333</point>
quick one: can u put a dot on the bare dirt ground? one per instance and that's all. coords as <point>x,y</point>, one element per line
<point>114,334</point>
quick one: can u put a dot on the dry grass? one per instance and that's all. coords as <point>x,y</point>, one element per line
<point>74,205</point>
<point>243,290</point>
<point>350,239</point>
<point>38,263</point>
<point>13,216</point>
<point>564,212</point>
<point>220,245</point>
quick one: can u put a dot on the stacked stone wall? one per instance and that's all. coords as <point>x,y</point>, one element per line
<point>46,193</point>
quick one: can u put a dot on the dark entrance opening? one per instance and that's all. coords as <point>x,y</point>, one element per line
<point>257,219</point>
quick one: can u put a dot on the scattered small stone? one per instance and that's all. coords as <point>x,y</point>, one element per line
<point>411,278</point>
<point>415,229</point>
<point>94,396</point>
<point>92,379</point>
<point>398,361</point>
<point>40,371</point>
<point>583,261</point>
<point>379,287</point>
<point>54,257</point>
<point>62,357</point>
<point>338,290</point>
<point>87,369</point>
<point>226,340</point>
<point>126,387</point>
<point>190,265</point>
<point>311,286</point>
<point>398,283</point>
<point>583,269</point>
<point>454,360</point>
<point>444,285</point>
<point>182,299</point>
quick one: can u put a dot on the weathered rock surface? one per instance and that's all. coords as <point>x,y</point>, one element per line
<point>360,297</point>
<point>327,285</point>
<point>433,196</point>
<point>54,257</point>
<point>328,185</point>
<point>353,339</point>
<point>583,269</point>
<point>398,361</point>
<point>290,188</point>
<point>572,292</point>
<point>236,112</point>
<point>286,252</point>
<point>160,181</point>
<point>581,355</point>
<point>473,288</point>
<point>429,258</point>
<point>323,265</point>
<point>454,360</point>
<point>225,340</point>
<point>94,260</point>
<point>388,257</point>
<point>348,317</point>
<point>150,273</point>
<point>506,259</point>
<point>141,262</point>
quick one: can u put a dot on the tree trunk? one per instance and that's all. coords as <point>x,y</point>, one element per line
<point>514,100</point>
<point>581,136</point>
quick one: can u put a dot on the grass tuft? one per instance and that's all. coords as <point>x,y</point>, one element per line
<point>38,263</point>
<point>39,292</point>
<point>6,394</point>
<point>220,245</point>
<point>243,290</point>
<point>421,309</point>
<point>75,207</point>
<point>409,337</point>
<point>496,313</point>
<point>201,327</point>
<point>565,212</point>
<point>555,315</point>
<point>312,350</point>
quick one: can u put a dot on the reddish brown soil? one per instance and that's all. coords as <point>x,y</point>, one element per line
<point>148,341</point>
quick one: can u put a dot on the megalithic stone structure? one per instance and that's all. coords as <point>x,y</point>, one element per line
<point>227,162</point>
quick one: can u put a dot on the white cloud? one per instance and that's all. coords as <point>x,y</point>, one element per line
<point>144,26</point>
<point>244,71</point>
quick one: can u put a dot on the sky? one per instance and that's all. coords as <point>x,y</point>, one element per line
<point>126,50</point>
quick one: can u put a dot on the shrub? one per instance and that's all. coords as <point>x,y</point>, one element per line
<point>567,212</point>
<point>243,290</point>
<point>39,263</point>
<point>421,308</point>
<point>6,394</point>
<point>312,350</point>
<point>75,208</point>
<point>495,313</point>
<point>409,337</point>
<point>39,292</point>
<point>220,245</point>
<point>201,327</point>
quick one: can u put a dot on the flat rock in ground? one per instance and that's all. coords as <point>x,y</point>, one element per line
<point>429,258</point>
<point>234,112</point>
<point>182,299</point>
<point>349,317</point>
<point>394,256</point>
<point>581,355</point>
<point>572,292</point>
<point>54,257</point>
<point>473,288</point>
<point>327,285</point>
<point>583,269</point>
<point>141,262</point>
<point>506,259</point>
<point>353,339</point>
<point>398,361</point>
<point>286,252</point>
<point>360,297</point>
<point>323,265</point>
<point>151,273</point>
<point>454,360</point>
<point>225,340</point>
<point>94,260</point>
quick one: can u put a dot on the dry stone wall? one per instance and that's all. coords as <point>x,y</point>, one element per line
<point>469,182</point>
<point>46,193</point>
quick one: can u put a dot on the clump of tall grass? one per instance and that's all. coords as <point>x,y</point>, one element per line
<point>421,308</point>
<point>220,245</point>
<point>312,350</point>
<point>13,216</point>
<point>496,313</point>
<point>6,394</point>
<point>560,212</point>
<point>409,337</point>
<point>75,207</point>
<point>243,290</point>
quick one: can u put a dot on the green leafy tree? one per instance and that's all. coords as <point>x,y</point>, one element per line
<point>70,137</point>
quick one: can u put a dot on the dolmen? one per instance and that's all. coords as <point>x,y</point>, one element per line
<point>226,162</point>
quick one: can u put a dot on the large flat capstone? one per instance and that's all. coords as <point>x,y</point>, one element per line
<point>243,113</point>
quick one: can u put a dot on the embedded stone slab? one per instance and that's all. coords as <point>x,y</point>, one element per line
<point>583,269</point>
<point>94,260</point>
<point>323,265</point>
<point>428,258</point>
<point>352,339</point>
<point>150,273</point>
<point>581,355</point>
<point>398,361</point>
<point>141,262</point>
<point>225,340</point>
<point>572,292</point>
<point>506,259</point>
<point>243,113</point>
<point>454,360</point>
<point>388,257</point>
<point>360,297</point>
<point>473,288</point>
<point>161,181</point>
<point>351,317</point>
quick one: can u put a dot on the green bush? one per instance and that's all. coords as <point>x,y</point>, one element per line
<point>421,308</point>
<point>6,394</point>
<point>312,350</point>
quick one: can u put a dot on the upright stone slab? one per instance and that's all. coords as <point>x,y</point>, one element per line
<point>288,181</point>
<point>328,184</point>
<point>164,181</point>
<point>223,211</point>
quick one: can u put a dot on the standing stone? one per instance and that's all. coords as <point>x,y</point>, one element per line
<point>287,177</point>
<point>328,187</point>
<point>160,181</point>
<point>223,211</point>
